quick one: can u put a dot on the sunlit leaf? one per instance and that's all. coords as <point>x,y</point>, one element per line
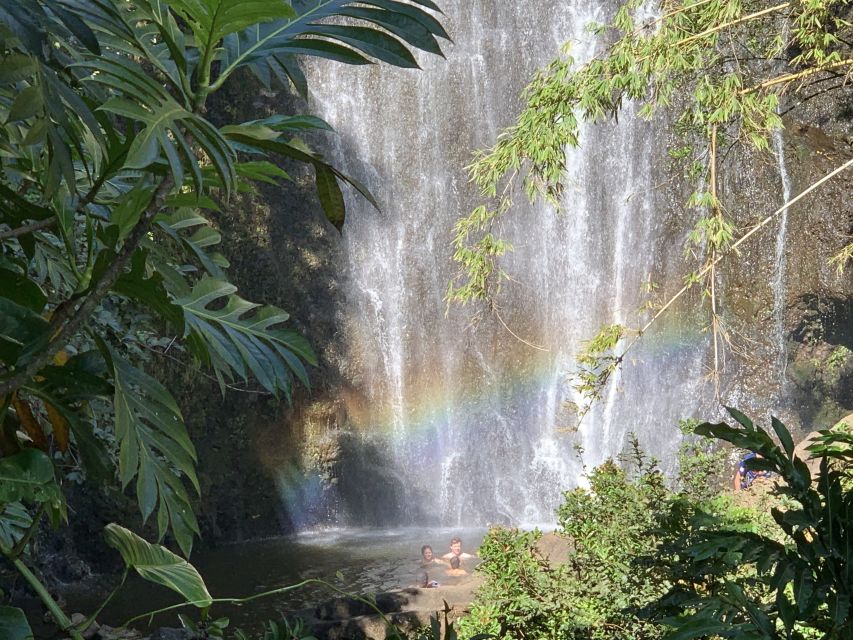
<point>159,565</point>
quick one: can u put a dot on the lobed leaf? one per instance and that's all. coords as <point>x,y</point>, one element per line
<point>154,448</point>
<point>238,338</point>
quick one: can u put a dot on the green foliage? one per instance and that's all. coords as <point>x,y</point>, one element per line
<point>612,531</point>
<point>702,468</point>
<point>14,625</point>
<point>837,358</point>
<point>205,628</point>
<point>611,525</point>
<point>243,337</point>
<point>799,586</point>
<point>108,167</point>
<point>281,630</point>
<point>447,631</point>
<point>596,363</point>
<point>627,540</point>
<point>159,565</point>
<point>520,595</point>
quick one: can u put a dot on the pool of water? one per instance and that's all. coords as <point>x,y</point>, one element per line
<point>357,561</point>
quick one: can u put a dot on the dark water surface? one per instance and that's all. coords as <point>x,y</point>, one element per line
<point>357,561</point>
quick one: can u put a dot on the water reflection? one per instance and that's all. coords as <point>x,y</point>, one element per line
<point>359,561</point>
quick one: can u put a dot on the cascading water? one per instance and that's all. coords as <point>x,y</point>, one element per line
<point>469,421</point>
<point>780,262</point>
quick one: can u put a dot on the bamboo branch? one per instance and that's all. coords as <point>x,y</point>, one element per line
<point>732,23</point>
<point>713,164</point>
<point>733,249</point>
<point>790,77</point>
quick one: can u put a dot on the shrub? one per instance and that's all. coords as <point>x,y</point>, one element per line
<point>798,585</point>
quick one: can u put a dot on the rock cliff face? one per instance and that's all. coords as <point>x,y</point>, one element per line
<point>806,320</point>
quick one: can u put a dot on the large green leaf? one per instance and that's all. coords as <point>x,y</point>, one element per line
<point>250,138</point>
<point>154,447</point>
<point>149,291</point>
<point>331,198</point>
<point>265,47</point>
<point>14,522</point>
<point>238,337</point>
<point>14,625</point>
<point>142,29</point>
<point>21,330</point>
<point>61,387</point>
<point>14,209</point>
<point>166,124</point>
<point>193,232</point>
<point>20,289</point>
<point>212,20</point>
<point>159,565</point>
<point>28,476</point>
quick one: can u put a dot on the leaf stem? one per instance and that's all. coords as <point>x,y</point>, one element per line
<point>55,610</point>
<point>257,596</point>
<point>88,622</point>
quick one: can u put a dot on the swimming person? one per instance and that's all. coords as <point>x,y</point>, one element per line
<point>428,558</point>
<point>456,567</point>
<point>456,549</point>
<point>422,581</point>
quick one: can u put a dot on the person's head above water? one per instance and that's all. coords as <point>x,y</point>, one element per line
<point>421,579</point>
<point>456,550</point>
<point>426,553</point>
<point>454,562</point>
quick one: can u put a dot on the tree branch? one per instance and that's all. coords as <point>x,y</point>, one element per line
<point>27,229</point>
<point>61,329</point>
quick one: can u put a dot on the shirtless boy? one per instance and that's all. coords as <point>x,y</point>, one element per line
<point>455,568</point>
<point>456,550</point>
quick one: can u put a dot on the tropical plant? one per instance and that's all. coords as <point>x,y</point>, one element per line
<point>800,585</point>
<point>720,72</point>
<point>108,170</point>
<point>283,630</point>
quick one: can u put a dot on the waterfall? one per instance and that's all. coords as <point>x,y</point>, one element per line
<point>470,422</point>
<point>780,263</point>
